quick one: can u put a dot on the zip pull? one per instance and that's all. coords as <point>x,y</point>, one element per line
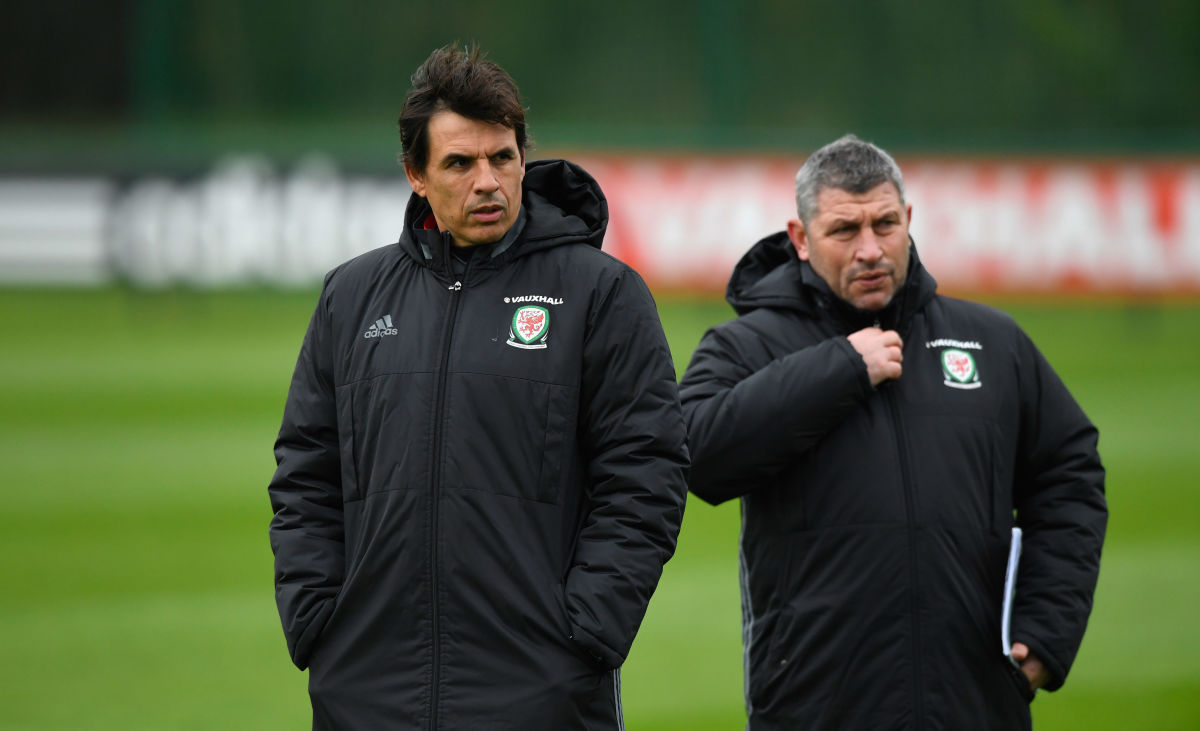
<point>455,287</point>
<point>877,323</point>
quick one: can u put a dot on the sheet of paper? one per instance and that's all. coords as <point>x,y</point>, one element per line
<point>1010,591</point>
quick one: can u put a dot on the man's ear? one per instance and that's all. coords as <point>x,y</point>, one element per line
<point>416,180</point>
<point>795,232</point>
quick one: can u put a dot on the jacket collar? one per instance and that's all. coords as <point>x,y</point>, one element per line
<point>561,204</point>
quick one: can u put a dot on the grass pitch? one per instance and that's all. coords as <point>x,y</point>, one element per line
<point>135,445</point>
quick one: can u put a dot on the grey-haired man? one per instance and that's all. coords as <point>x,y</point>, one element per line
<point>884,440</point>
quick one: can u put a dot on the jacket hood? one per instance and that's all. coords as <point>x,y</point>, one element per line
<point>766,276</point>
<point>560,202</point>
<point>771,274</point>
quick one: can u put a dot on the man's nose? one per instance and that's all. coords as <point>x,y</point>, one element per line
<point>869,248</point>
<point>485,178</point>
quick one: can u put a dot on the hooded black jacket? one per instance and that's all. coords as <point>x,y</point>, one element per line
<point>469,522</point>
<point>876,521</point>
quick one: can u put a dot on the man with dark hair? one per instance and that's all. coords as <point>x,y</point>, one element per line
<point>884,440</point>
<point>481,464</point>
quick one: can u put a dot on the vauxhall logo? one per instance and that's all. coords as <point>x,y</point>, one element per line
<point>381,327</point>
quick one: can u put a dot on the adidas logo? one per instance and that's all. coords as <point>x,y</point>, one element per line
<point>381,327</point>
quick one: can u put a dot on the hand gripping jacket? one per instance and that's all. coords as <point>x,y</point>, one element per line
<point>479,477</point>
<point>876,521</point>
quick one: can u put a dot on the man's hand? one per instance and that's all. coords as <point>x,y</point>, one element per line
<point>1032,667</point>
<point>881,350</point>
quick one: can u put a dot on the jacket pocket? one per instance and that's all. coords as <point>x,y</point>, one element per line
<point>346,450</point>
<point>560,433</point>
<point>509,436</point>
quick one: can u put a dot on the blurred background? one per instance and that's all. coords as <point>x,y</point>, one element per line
<point>176,176</point>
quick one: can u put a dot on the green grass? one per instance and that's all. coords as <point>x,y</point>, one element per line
<point>135,446</point>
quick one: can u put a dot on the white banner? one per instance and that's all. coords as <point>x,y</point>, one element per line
<point>1108,227</point>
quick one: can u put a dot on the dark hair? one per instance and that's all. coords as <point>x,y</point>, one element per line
<point>466,83</point>
<point>847,163</point>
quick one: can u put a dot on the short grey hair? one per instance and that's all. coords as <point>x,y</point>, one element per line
<point>847,163</point>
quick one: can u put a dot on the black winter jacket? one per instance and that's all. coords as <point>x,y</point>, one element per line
<point>876,521</point>
<point>479,477</point>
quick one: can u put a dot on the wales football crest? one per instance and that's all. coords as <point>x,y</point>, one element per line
<point>530,328</point>
<point>959,369</point>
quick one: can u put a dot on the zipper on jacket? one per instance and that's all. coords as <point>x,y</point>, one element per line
<point>435,473</point>
<point>913,567</point>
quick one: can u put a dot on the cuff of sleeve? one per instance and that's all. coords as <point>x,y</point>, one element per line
<point>595,651</point>
<point>857,362</point>
<point>302,648</point>
<point>1053,667</point>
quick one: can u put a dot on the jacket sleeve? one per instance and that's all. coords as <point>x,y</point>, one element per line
<point>307,534</point>
<point>632,434</point>
<point>1060,506</point>
<point>745,424</point>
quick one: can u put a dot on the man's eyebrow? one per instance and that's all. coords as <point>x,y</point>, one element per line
<point>845,220</point>
<point>450,157</point>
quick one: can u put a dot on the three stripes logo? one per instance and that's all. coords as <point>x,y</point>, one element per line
<point>381,327</point>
